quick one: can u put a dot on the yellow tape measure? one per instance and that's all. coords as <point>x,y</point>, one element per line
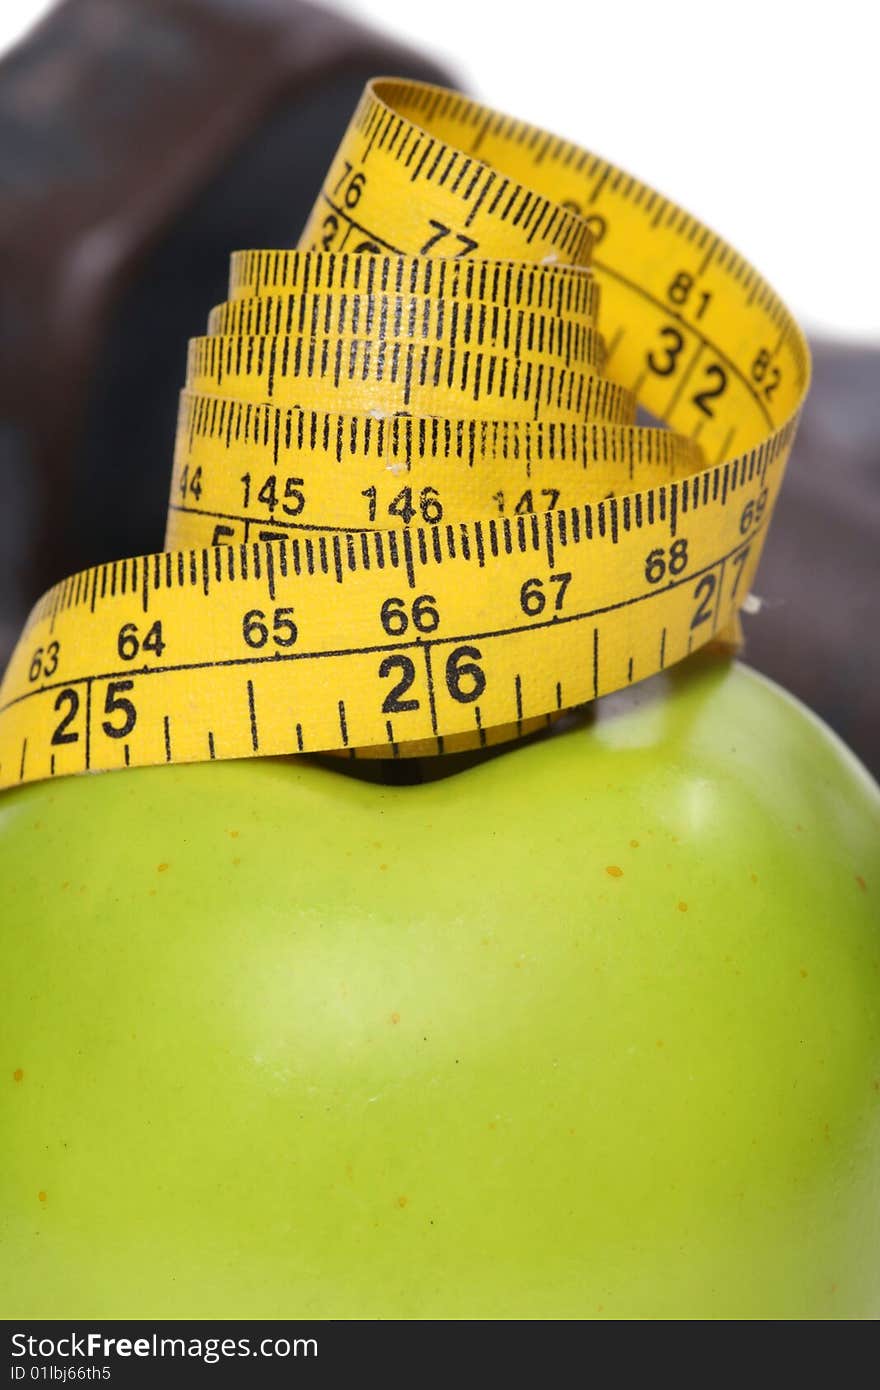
<point>411,506</point>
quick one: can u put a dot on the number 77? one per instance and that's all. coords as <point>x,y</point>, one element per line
<point>467,243</point>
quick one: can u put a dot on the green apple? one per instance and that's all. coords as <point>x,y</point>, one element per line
<point>590,1028</point>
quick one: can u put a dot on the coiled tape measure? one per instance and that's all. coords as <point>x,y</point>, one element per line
<point>411,508</point>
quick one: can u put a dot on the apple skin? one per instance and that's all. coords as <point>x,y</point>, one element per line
<point>280,1042</point>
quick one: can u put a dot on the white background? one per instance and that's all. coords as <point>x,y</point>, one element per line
<point>759,116</point>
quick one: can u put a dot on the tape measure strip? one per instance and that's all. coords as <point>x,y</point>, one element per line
<point>448,630</point>
<point>255,472</point>
<point>312,320</point>
<point>562,289</point>
<point>412,377</point>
